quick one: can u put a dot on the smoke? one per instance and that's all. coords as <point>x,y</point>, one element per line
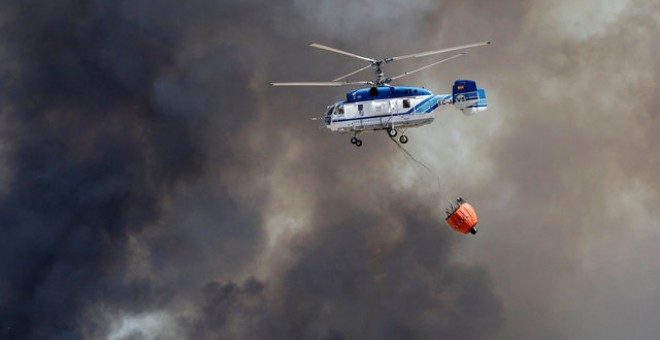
<point>568,186</point>
<point>350,284</point>
<point>152,184</point>
<point>133,184</point>
<point>101,127</point>
<point>342,19</point>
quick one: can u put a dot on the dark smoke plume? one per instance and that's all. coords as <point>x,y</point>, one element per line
<point>100,126</point>
<point>152,184</point>
<point>348,286</point>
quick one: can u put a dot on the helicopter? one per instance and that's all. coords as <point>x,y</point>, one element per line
<point>382,106</point>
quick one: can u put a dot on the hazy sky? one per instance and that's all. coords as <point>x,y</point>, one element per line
<point>154,186</point>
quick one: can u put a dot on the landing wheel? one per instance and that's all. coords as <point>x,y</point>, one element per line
<point>358,143</point>
<point>354,140</point>
<point>403,139</point>
<point>392,132</point>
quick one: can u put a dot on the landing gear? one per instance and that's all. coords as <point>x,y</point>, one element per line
<point>356,141</point>
<point>391,132</point>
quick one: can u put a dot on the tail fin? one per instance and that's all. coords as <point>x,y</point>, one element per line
<point>468,98</point>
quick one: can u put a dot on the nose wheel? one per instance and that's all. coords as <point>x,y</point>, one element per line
<point>355,141</point>
<point>392,132</point>
<point>403,139</point>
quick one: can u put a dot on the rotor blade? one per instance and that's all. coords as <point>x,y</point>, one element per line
<point>424,54</point>
<point>352,73</point>
<point>332,49</point>
<point>326,83</point>
<point>427,66</point>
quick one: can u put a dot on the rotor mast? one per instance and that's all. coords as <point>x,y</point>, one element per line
<point>380,75</point>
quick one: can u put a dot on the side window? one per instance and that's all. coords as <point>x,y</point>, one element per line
<point>406,103</point>
<point>340,110</point>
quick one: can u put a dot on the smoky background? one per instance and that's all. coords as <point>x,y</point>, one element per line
<point>154,186</point>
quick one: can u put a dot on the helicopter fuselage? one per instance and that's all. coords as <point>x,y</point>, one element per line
<point>390,108</point>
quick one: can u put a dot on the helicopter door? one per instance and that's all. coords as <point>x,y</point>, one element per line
<point>359,124</point>
<point>394,109</point>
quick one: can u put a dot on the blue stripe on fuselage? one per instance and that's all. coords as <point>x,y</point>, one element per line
<point>429,104</point>
<point>370,117</point>
<point>416,108</point>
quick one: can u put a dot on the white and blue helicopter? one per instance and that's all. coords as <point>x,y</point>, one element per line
<point>385,107</point>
